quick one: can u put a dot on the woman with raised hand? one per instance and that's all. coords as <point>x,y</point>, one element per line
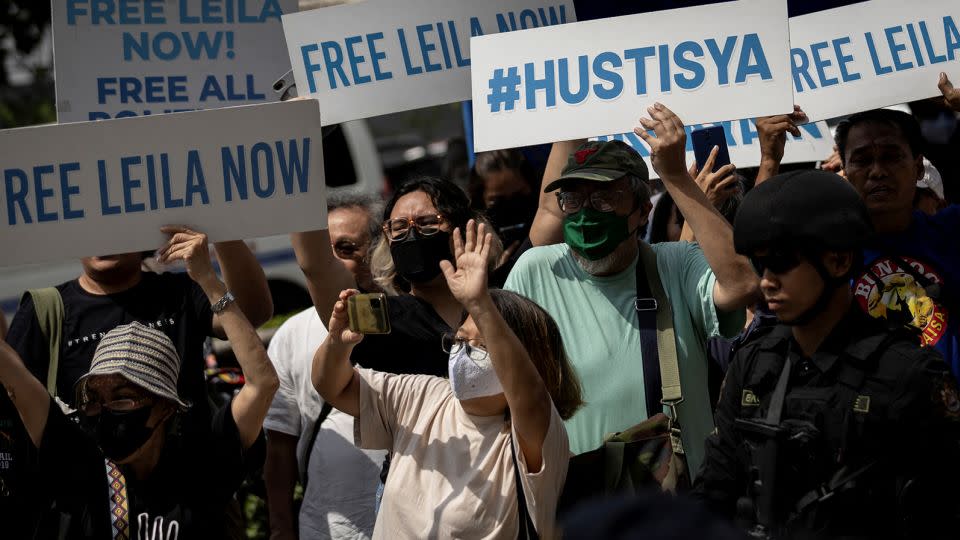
<point>125,471</point>
<point>483,454</point>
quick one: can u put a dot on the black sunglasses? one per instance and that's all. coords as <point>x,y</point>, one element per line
<point>777,263</point>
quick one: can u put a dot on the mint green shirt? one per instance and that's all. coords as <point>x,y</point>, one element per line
<point>600,330</point>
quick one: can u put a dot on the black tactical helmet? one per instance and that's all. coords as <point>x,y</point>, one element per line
<point>807,210</point>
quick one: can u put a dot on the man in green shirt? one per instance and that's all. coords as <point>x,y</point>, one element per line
<point>588,283</point>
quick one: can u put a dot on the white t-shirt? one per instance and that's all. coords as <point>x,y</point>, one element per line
<point>451,475</point>
<point>340,498</point>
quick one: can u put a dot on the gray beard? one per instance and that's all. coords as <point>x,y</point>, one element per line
<point>604,266</point>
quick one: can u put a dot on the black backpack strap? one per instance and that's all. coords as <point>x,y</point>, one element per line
<point>646,306</point>
<point>324,413</point>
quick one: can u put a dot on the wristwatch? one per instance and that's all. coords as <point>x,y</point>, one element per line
<point>223,302</point>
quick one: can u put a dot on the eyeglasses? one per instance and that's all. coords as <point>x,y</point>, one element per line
<point>603,200</point>
<point>397,229</point>
<point>452,343</point>
<point>91,408</point>
<point>345,249</point>
<point>777,263</point>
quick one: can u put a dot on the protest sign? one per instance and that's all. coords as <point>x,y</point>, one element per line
<point>707,63</point>
<point>95,188</point>
<point>122,58</point>
<point>815,143</point>
<point>383,56</point>
<point>873,54</point>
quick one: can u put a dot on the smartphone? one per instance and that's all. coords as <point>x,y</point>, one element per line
<point>285,86</point>
<point>704,139</point>
<point>368,313</point>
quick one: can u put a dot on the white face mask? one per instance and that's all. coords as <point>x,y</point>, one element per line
<point>472,374</point>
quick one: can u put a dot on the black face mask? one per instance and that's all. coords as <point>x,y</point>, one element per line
<point>512,217</point>
<point>119,434</point>
<point>417,258</point>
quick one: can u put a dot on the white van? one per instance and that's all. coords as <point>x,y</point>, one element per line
<point>351,163</point>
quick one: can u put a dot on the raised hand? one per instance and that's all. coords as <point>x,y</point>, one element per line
<point>192,248</point>
<point>668,149</point>
<point>339,327</point>
<point>719,186</point>
<point>772,131</point>
<point>950,94</point>
<point>468,282</point>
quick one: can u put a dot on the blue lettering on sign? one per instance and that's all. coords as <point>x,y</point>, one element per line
<point>130,184</point>
<point>106,209</point>
<point>293,162</point>
<point>196,185</point>
<point>603,74</point>
<point>16,197</point>
<point>17,190</point>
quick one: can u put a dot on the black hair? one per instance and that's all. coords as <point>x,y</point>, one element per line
<point>907,124</point>
<point>499,160</point>
<point>661,219</point>
<point>447,197</point>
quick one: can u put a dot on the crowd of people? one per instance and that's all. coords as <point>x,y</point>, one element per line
<point>789,341</point>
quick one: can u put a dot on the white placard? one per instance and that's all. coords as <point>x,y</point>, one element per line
<point>707,63</point>
<point>123,58</point>
<point>384,56</point>
<point>873,54</point>
<point>815,143</point>
<point>96,188</point>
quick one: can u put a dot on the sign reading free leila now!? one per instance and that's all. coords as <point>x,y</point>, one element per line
<point>93,188</point>
<point>384,56</point>
<point>707,63</point>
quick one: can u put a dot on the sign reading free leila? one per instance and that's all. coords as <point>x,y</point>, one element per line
<point>92,188</point>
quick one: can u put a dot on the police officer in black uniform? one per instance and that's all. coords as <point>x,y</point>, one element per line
<point>830,424</point>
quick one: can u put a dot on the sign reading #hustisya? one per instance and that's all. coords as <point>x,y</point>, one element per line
<point>873,54</point>
<point>707,63</point>
<point>94,188</point>
<point>384,56</point>
<point>123,58</point>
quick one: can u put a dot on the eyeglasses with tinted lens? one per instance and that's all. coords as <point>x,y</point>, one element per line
<point>777,263</point>
<point>92,407</point>
<point>398,228</point>
<point>604,200</point>
<point>452,343</point>
<point>345,249</point>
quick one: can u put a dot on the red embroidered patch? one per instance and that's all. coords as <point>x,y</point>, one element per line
<point>582,155</point>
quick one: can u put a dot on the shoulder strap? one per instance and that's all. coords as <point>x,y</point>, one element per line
<point>324,413</point>
<point>666,345</point>
<point>48,305</point>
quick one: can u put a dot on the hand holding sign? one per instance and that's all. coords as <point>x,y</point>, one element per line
<point>951,94</point>
<point>773,139</point>
<point>668,149</point>
<point>193,248</point>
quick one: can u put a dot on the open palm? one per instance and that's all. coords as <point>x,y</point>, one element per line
<point>468,281</point>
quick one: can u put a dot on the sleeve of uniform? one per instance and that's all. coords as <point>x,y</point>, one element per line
<point>26,337</point>
<point>542,489</point>
<point>388,403</point>
<point>284,414</point>
<point>719,481</point>
<point>684,263</point>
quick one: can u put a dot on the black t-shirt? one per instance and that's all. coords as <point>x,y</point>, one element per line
<point>413,345</point>
<point>191,485</point>
<point>171,303</point>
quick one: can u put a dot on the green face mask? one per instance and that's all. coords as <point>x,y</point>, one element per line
<point>595,234</point>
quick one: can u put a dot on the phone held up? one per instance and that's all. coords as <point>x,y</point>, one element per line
<point>704,139</point>
<point>368,313</point>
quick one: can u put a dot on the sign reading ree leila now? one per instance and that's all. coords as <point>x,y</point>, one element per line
<point>873,54</point>
<point>94,188</point>
<point>384,56</point>
<point>121,58</point>
<point>815,143</point>
<point>707,63</point>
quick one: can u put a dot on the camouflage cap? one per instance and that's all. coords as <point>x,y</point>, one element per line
<point>602,162</point>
